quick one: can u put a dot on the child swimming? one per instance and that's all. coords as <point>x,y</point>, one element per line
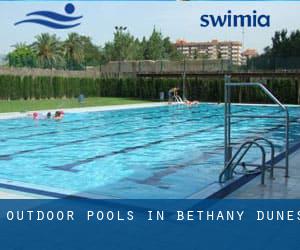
<point>58,115</point>
<point>35,116</point>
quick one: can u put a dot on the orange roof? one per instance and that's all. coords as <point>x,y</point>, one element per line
<point>181,41</point>
<point>250,52</point>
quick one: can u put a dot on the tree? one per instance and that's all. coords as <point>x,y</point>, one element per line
<point>74,51</point>
<point>155,49</point>
<point>22,56</point>
<point>158,47</point>
<point>123,47</point>
<point>49,51</point>
<point>279,43</point>
<point>171,51</point>
<point>284,52</point>
<point>92,53</point>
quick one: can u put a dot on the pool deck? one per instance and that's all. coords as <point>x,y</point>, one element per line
<point>11,194</point>
<point>278,188</point>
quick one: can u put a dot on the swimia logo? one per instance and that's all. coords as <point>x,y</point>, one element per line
<point>235,20</point>
<point>52,19</point>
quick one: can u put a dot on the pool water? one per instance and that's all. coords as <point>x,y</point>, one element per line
<point>161,152</point>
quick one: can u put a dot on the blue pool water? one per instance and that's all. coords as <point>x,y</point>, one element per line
<point>164,152</point>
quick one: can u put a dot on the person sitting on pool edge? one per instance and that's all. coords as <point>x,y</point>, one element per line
<point>58,115</point>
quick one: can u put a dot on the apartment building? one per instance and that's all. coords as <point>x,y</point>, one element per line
<point>226,50</point>
<point>248,54</point>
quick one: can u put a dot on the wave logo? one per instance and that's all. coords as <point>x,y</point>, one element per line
<point>52,19</point>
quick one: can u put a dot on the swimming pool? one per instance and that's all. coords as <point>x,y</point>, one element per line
<point>161,152</point>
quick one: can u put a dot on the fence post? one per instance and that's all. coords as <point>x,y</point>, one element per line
<point>183,80</point>
<point>240,94</point>
<point>298,85</point>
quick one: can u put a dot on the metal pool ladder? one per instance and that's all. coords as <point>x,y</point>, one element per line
<point>178,99</point>
<point>232,162</point>
<point>236,160</point>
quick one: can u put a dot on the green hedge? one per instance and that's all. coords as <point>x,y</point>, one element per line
<point>28,87</point>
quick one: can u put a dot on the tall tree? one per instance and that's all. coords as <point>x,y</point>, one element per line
<point>284,52</point>
<point>49,51</point>
<point>158,47</point>
<point>155,49</point>
<point>171,51</point>
<point>74,51</point>
<point>92,53</point>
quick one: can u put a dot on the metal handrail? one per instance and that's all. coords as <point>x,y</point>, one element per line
<point>228,116</point>
<point>231,165</point>
<point>258,116</point>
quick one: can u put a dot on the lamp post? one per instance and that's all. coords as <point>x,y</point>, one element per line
<point>184,71</point>
<point>119,30</point>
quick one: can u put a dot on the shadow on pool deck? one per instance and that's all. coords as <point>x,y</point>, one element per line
<point>279,188</point>
<point>11,194</point>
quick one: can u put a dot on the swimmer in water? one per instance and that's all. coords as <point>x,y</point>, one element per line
<point>187,102</point>
<point>58,115</point>
<point>49,115</point>
<point>35,116</point>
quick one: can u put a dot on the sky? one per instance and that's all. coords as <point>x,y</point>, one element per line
<point>178,20</point>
